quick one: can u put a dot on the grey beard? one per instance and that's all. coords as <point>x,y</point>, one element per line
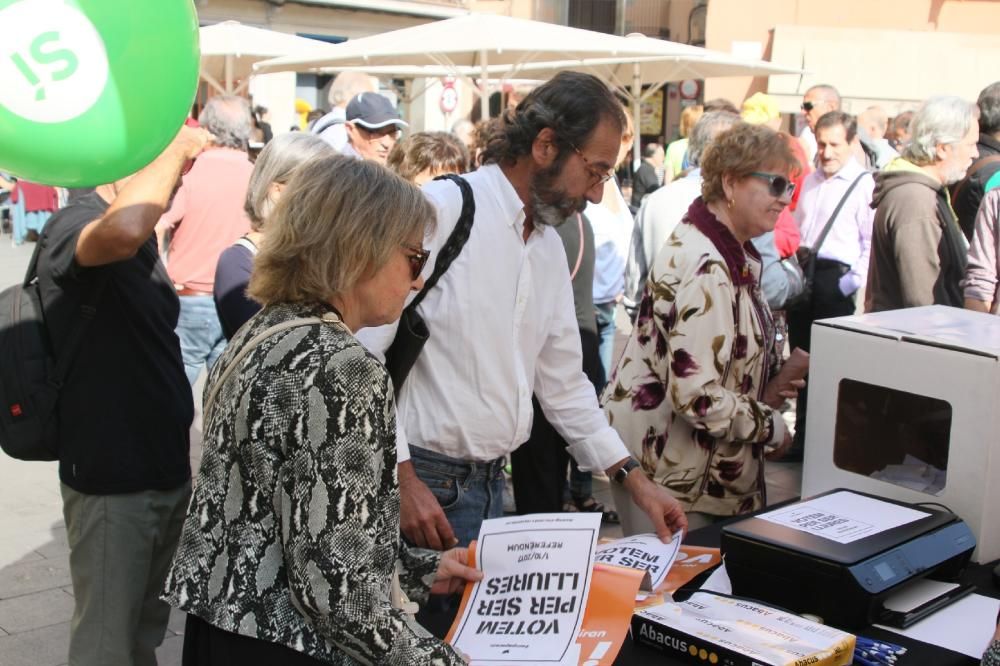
<point>549,213</point>
<point>546,214</point>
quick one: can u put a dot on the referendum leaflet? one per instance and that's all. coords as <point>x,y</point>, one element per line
<point>644,552</point>
<point>529,607</point>
<point>713,629</point>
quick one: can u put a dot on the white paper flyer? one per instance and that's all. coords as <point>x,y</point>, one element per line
<point>528,608</point>
<point>643,551</point>
<point>843,516</point>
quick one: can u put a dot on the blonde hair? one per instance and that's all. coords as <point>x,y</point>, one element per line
<point>338,221</point>
<point>690,116</point>
<point>759,108</point>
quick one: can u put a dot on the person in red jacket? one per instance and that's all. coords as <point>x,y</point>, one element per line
<point>33,206</point>
<point>761,109</point>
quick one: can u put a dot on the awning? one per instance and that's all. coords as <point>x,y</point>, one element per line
<point>894,69</point>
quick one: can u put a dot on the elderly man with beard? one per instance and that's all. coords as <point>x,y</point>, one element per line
<point>918,252</point>
<point>503,325</point>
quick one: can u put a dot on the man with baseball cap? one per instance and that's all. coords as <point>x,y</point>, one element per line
<point>372,127</point>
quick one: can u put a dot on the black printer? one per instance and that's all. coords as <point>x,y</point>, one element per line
<point>779,556</point>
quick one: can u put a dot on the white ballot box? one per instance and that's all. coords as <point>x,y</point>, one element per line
<point>906,404</point>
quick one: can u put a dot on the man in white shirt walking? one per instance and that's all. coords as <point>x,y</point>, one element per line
<point>503,325</point>
<point>831,197</point>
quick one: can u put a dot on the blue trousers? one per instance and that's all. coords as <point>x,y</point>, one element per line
<point>469,492</point>
<point>200,333</point>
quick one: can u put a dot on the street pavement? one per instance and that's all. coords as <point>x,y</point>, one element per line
<point>36,595</point>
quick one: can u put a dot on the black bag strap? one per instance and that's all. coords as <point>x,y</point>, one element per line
<point>456,240</point>
<point>811,268</point>
<point>86,314</point>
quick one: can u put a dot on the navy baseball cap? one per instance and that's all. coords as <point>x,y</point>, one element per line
<point>372,111</point>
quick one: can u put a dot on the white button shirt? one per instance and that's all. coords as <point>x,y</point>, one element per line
<point>502,327</point>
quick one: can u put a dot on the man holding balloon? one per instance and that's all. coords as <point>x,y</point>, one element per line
<point>126,408</point>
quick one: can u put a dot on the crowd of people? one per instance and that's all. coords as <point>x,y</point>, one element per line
<point>334,501</point>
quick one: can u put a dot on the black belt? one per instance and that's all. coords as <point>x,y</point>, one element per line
<point>832,264</point>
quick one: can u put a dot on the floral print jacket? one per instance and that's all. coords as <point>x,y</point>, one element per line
<point>686,396</point>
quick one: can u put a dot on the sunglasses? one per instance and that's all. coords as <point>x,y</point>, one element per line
<point>777,185</point>
<point>808,106</point>
<point>417,260</point>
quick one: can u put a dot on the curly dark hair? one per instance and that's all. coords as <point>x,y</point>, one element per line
<point>571,104</point>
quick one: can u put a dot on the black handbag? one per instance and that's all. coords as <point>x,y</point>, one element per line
<point>805,256</point>
<point>412,333</point>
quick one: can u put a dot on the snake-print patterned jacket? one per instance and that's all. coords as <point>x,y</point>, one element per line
<point>293,533</point>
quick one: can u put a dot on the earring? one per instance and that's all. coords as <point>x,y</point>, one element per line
<point>732,202</point>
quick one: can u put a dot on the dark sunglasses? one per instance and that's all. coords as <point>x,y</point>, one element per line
<point>417,260</point>
<point>777,185</point>
<point>807,106</point>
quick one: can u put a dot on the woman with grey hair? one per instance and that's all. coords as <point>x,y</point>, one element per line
<point>291,551</point>
<point>918,253</point>
<point>271,172</point>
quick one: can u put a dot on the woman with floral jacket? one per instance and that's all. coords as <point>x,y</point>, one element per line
<point>695,393</point>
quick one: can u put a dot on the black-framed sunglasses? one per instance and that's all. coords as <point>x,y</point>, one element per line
<point>808,106</point>
<point>417,260</point>
<point>596,175</point>
<point>777,185</point>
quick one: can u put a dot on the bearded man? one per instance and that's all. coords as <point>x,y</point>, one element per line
<point>918,252</point>
<point>503,324</point>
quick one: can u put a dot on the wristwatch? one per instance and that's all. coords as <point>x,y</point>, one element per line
<point>624,471</point>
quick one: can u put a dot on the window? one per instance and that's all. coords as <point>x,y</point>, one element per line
<point>894,436</point>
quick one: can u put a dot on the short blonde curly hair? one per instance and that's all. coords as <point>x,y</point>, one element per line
<point>338,221</point>
<point>741,150</point>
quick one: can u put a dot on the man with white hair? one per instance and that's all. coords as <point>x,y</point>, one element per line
<point>918,253</point>
<point>331,127</point>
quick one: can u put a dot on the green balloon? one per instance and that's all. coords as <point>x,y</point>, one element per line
<point>93,90</point>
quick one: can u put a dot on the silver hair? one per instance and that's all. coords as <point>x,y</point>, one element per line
<point>940,120</point>
<point>227,117</point>
<point>709,126</point>
<point>275,164</point>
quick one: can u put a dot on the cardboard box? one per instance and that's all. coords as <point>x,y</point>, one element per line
<point>906,404</point>
<point>714,629</point>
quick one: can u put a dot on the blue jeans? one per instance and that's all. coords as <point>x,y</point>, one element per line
<point>469,492</point>
<point>606,335</point>
<point>200,334</point>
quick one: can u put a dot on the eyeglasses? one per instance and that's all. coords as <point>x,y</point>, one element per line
<point>417,260</point>
<point>596,174</point>
<point>777,185</point>
<point>808,106</point>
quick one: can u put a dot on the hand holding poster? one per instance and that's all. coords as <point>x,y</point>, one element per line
<point>528,609</point>
<point>644,552</point>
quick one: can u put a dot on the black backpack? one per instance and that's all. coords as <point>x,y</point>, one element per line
<point>30,374</point>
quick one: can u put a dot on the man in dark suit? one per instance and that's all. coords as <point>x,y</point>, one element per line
<point>649,176</point>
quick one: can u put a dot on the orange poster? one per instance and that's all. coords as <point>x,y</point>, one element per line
<point>606,617</point>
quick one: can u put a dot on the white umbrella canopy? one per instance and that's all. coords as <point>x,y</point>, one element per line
<point>488,43</point>
<point>230,49</point>
<point>505,47</point>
